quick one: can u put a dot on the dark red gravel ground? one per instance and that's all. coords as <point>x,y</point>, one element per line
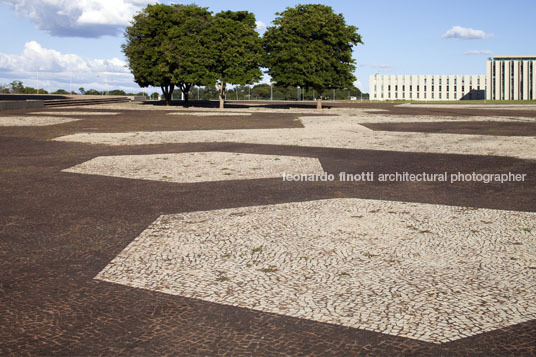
<point>58,230</point>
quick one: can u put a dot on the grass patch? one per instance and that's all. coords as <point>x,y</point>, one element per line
<point>370,255</point>
<point>270,269</point>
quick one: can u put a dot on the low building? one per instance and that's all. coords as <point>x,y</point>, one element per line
<point>511,78</point>
<point>427,87</point>
<point>507,78</point>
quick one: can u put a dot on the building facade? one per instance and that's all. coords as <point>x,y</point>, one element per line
<point>427,87</point>
<point>507,78</point>
<point>511,78</point>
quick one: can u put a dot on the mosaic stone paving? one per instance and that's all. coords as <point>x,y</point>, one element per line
<point>335,132</point>
<point>209,114</point>
<point>198,166</point>
<point>33,121</point>
<point>75,113</point>
<point>429,272</point>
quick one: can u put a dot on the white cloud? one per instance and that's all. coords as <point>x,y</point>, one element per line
<point>81,18</point>
<point>478,52</point>
<point>380,67</point>
<point>261,26</point>
<point>465,33</point>
<point>58,70</point>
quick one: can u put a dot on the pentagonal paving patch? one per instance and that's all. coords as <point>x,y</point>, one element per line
<point>33,121</point>
<point>429,272</point>
<point>198,166</point>
<point>208,114</point>
<point>74,113</point>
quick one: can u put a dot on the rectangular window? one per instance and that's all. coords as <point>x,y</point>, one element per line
<point>389,87</point>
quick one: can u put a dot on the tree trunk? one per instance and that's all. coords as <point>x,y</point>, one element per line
<point>222,95</point>
<point>319,102</point>
<point>168,92</point>
<point>185,89</point>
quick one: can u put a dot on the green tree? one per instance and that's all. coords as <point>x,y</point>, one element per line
<point>261,91</point>
<point>146,44</point>
<point>187,53</point>
<point>164,47</point>
<point>92,92</point>
<point>60,91</point>
<point>117,92</point>
<point>82,90</point>
<point>235,50</point>
<point>310,46</point>
<point>16,87</point>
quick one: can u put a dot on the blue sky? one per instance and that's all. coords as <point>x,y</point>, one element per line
<point>71,44</point>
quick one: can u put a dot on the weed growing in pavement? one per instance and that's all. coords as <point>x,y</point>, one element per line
<point>370,255</point>
<point>270,269</point>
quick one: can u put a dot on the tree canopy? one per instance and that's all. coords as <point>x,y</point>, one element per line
<point>164,47</point>
<point>187,53</point>
<point>146,45</point>
<point>310,46</point>
<point>235,49</point>
<point>184,45</point>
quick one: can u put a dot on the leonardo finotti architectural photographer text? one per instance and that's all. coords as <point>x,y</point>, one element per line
<point>408,177</point>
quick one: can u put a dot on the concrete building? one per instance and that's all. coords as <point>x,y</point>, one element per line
<point>507,78</point>
<point>427,87</point>
<point>511,78</point>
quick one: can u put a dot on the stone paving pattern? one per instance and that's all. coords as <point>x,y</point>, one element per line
<point>430,272</point>
<point>34,121</point>
<point>332,131</point>
<point>198,166</point>
<point>58,230</point>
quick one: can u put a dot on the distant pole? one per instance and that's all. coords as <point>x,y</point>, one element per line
<point>271,91</point>
<point>334,94</point>
<point>249,95</point>
<point>37,82</point>
<point>197,93</point>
